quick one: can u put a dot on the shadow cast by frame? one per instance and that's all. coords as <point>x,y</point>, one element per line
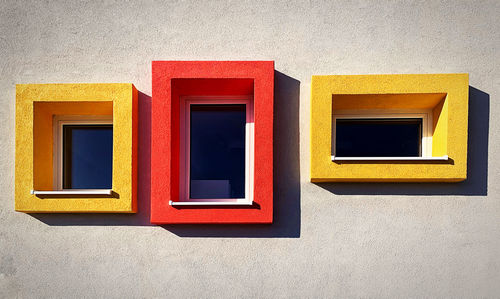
<point>476,183</point>
<point>286,175</point>
<point>141,218</point>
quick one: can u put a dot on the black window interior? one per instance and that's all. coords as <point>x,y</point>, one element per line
<point>378,137</point>
<point>217,151</point>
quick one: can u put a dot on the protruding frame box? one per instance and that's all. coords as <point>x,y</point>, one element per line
<point>36,106</point>
<point>173,80</point>
<point>445,96</point>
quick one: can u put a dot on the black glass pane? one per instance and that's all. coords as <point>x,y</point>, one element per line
<point>217,165</point>
<point>378,137</point>
<point>87,156</point>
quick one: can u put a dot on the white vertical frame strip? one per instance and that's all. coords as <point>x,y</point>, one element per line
<point>249,151</point>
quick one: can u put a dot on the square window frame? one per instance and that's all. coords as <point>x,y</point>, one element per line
<point>184,168</point>
<point>400,91</point>
<point>35,106</point>
<point>173,79</point>
<point>58,122</point>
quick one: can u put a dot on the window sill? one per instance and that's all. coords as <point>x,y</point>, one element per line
<point>210,203</point>
<point>75,192</point>
<point>443,158</point>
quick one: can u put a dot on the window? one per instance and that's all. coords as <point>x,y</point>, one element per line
<point>76,148</point>
<point>83,152</point>
<point>389,128</point>
<point>216,150</point>
<point>212,142</point>
<point>375,135</point>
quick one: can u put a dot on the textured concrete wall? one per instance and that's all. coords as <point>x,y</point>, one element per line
<point>328,240</point>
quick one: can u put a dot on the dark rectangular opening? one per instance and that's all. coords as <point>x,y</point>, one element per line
<point>378,137</point>
<point>87,156</point>
<point>217,151</point>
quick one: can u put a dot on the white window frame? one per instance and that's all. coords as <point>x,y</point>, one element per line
<point>184,161</point>
<point>58,122</point>
<point>427,131</point>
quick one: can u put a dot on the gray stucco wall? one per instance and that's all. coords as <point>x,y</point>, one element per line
<point>328,240</point>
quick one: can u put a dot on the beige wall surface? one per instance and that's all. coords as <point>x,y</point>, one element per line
<point>328,240</point>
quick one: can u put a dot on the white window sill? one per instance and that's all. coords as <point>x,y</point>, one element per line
<point>74,192</point>
<point>210,203</point>
<point>443,158</point>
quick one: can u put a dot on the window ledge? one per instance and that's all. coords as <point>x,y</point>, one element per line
<point>74,192</point>
<point>443,158</point>
<point>210,203</point>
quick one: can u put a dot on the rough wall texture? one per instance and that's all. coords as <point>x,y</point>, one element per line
<point>328,240</point>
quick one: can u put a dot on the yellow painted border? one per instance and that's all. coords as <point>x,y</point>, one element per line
<point>450,135</point>
<point>75,99</point>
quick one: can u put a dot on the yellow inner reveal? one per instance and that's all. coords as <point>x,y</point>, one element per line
<point>435,102</point>
<point>43,137</point>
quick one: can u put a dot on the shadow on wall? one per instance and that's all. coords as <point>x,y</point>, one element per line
<point>286,175</point>
<point>286,178</point>
<point>141,218</point>
<point>477,162</point>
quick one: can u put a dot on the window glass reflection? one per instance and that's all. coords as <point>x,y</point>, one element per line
<point>217,151</point>
<point>378,138</point>
<point>87,156</point>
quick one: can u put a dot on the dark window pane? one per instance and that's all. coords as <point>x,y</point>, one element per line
<point>378,137</point>
<point>87,156</point>
<point>217,168</point>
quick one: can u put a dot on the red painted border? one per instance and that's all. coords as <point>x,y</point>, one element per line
<point>171,79</point>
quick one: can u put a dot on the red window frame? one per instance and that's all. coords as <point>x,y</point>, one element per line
<point>173,80</point>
